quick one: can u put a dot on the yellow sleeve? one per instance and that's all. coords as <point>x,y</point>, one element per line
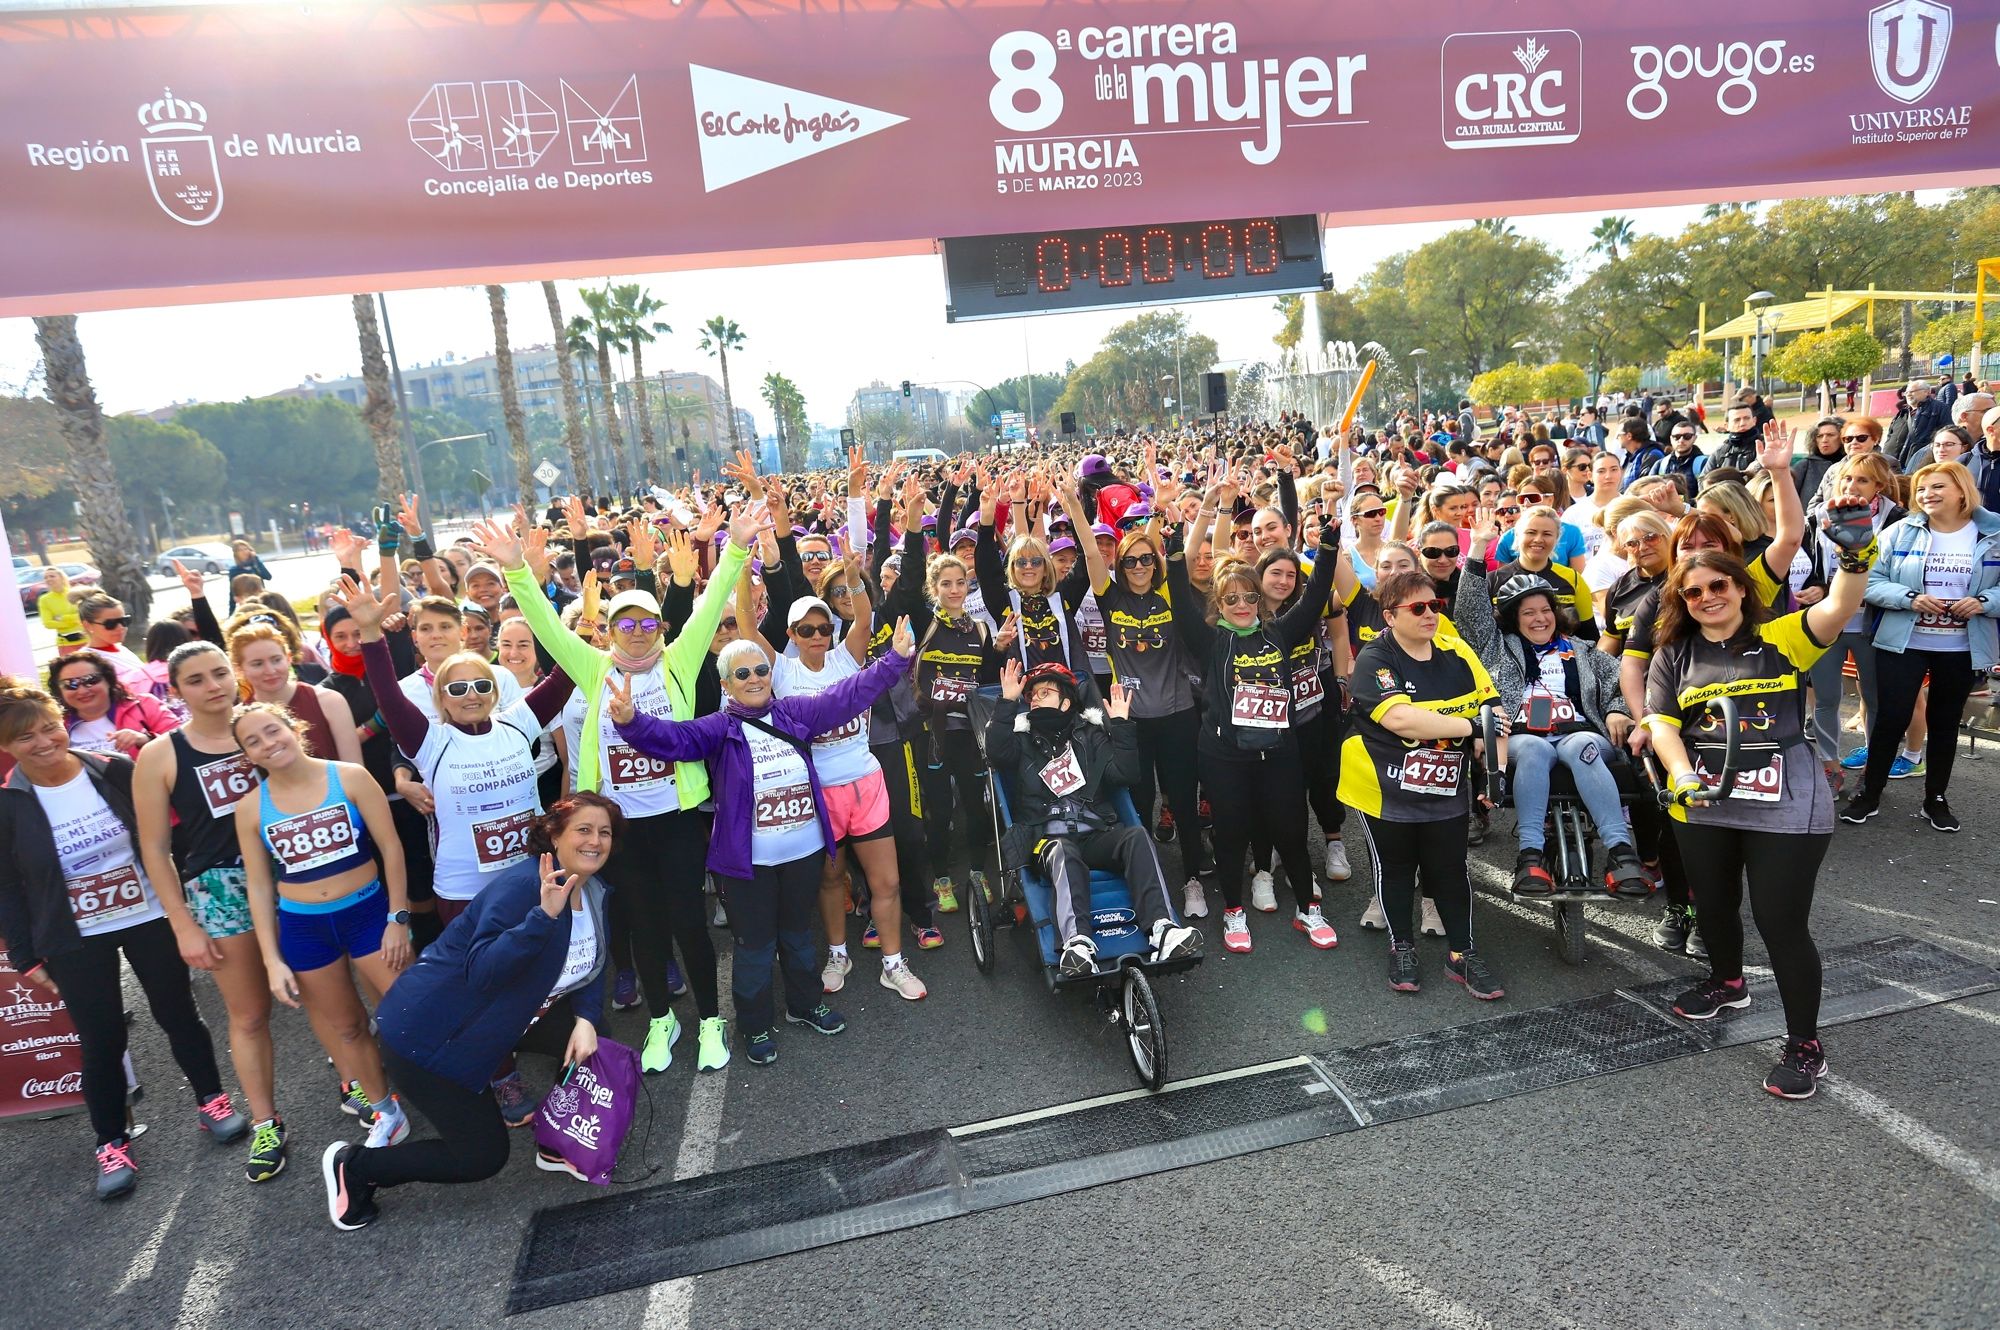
<point>1788,634</point>
<point>1482,682</point>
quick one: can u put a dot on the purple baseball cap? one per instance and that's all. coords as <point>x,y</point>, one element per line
<point>1061,543</point>
<point>930,523</point>
<point>962,535</point>
<point>1093,465</point>
<point>1103,529</point>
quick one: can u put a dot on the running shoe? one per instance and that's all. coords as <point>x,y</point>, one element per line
<point>267,1150</point>
<point>1163,830</point>
<point>1671,933</point>
<point>348,1207</point>
<point>1697,948</point>
<point>1531,875</point>
<point>1797,1074</point>
<point>116,1173</point>
<point>1465,967</point>
<point>720,918</point>
<point>1079,957</point>
<point>1481,824</point>
<point>661,1035</point>
<point>1710,998</point>
<point>1263,894</point>
<point>761,1049</point>
<point>1194,900</point>
<point>1173,942</point>
<point>1856,760</point>
<point>928,939</point>
<point>1625,875</point>
<point>1432,926</point>
<point>676,986</point>
<point>870,938</point>
<point>1317,930</point>
<point>1372,917</point>
<point>712,1046</point>
<point>551,1162</point>
<point>1939,814</point>
<point>903,982</point>
<point>834,977</point>
<point>219,1118</point>
<point>1404,976</point>
<point>354,1101</point>
<point>625,990</point>
<point>1337,867</point>
<point>517,1102</point>
<point>390,1127</point>
<point>1903,768</point>
<point>947,898</point>
<point>1861,807</point>
<point>1235,930</point>
<point>821,1020</point>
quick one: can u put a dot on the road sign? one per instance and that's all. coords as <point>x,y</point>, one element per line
<point>546,473</point>
<point>994,420</point>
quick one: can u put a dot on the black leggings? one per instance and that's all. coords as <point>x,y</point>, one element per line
<point>1656,843</point>
<point>1166,747</point>
<point>1319,758</point>
<point>1782,867</point>
<point>89,980</point>
<point>471,1144</point>
<point>902,779</point>
<point>957,781</point>
<point>659,864</point>
<point>1264,795</point>
<point>1438,848</point>
<point>1899,676</point>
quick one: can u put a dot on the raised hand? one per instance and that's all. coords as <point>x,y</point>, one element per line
<point>190,578</point>
<point>748,524</point>
<point>743,471</point>
<point>904,643</point>
<point>346,547</point>
<point>645,546</point>
<point>1118,705</point>
<point>497,541</point>
<point>1010,632</point>
<point>407,517</point>
<point>1011,677</point>
<point>363,606</point>
<point>618,696</point>
<point>857,472</point>
<point>592,597</point>
<point>683,563</point>
<point>579,523</point>
<point>535,545</point>
<point>710,523</point>
<point>1774,450</point>
<point>555,887</point>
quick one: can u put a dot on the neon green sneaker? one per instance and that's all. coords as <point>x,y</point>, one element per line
<point>661,1034</point>
<point>267,1151</point>
<point>713,1054</point>
<point>947,898</point>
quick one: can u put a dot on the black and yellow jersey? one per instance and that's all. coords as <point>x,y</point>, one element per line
<point>1365,622</point>
<point>1399,780</point>
<point>1634,596</point>
<point>1565,581</point>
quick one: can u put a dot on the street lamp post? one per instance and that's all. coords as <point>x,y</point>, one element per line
<point>1168,403</point>
<point>1757,347</point>
<point>1418,356</point>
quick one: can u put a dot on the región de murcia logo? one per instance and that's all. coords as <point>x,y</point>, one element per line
<point>180,161</point>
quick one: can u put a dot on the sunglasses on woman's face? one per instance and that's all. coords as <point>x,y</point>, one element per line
<point>815,556</point>
<point>121,622</point>
<point>744,672</point>
<point>838,591</point>
<point>1371,514</point>
<point>1424,607</point>
<point>77,683</point>
<point>629,625</point>
<point>1506,512</point>
<point>728,625</point>
<point>1028,561</point>
<point>1137,561</point>
<point>1857,438</point>
<point>1692,593</point>
<point>460,687</point>
<point>812,630</point>
<point>1240,598</point>
<point>1440,552</point>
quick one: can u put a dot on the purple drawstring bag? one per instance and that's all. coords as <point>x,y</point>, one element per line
<point>586,1117</point>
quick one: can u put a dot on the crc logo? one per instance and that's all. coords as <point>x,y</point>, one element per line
<point>1737,64</point>
<point>1907,42</point>
<point>1511,89</point>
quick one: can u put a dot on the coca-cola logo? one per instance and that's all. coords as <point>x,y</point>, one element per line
<point>67,1083</point>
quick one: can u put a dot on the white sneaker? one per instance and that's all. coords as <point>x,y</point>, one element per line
<point>834,977</point>
<point>1337,867</point>
<point>1236,930</point>
<point>391,1125</point>
<point>1172,942</point>
<point>1079,957</point>
<point>1263,894</point>
<point>1194,901</point>
<point>903,981</point>
<point>1432,925</point>
<point>1317,930</point>
<point>1372,917</point>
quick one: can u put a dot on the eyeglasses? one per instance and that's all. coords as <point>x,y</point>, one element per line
<point>810,630</point>
<point>631,625</point>
<point>1643,538</point>
<point>1688,435</point>
<point>1440,552</point>
<point>1371,513</point>
<point>743,672</point>
<point>1692,593</point>
<point>123,622</point>
<point>75,685</point>
<point>1028,561</point>
<point>838,590</point>
<point>1424,606</point>
<point>460,687</point>
<point>1577,466</point>
<point>729,624</point>
<point>1137,561</point>
<point>815,556</point>
<point>1240,598</point>
<point>1857,438</point>
<point>1506,512</point>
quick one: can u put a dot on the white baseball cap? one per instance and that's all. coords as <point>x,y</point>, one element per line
<point>805,605</point>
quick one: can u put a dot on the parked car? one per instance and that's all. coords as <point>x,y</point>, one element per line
<point>32,583</point>
<point>203,558</point>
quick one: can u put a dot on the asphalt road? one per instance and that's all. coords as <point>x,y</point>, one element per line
<point>1674,1195</point>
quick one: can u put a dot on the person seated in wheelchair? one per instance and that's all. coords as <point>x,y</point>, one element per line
<point>1561,696</point>
<point>1064,759</point>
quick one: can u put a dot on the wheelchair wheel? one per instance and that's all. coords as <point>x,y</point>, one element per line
<point>980,916</point>
<point>1139,1013</point>
<point>1570,930</point>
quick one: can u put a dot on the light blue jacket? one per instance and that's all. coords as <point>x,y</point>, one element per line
<point>1897,579</point>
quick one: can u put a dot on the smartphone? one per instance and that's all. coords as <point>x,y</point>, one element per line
<point>1541,713</point>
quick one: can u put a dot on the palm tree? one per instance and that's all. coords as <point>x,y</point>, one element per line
<point>579,461</point>
<point>379,411</point>
<point>788,407</point>
<point>678,408</point>
<point>635,308</point>
<point>1611,235</point>
<point>720,336</point>
<point>580,345</point>
<point>1496,226</point>
<point>600,328</point>
<point>510,397</point>
<point>114,545</point>
<point>1715,210</point>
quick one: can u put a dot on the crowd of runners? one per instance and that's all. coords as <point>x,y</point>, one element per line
<point>486,788</point>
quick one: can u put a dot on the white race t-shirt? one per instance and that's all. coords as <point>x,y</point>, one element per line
<point>784,822</point>
<point>582,957</point>
<point>841,754</point>
<point>107,885</point>
<point>1583,516</point>
<point>94,736</point>
<point>1947,577</point>
<point>643,786</point>
<point>487,799</point>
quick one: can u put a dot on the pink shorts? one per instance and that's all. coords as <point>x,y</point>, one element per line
<point>858,810</point>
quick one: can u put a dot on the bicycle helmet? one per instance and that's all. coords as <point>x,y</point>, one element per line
<point>1517,589</point>
<point>1051,672</point>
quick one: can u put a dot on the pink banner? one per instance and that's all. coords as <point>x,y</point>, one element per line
<point>157,156</point>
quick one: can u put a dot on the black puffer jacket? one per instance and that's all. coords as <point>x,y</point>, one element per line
<point>1106,752</point>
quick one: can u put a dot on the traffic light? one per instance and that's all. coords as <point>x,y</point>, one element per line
<point>906,387</point>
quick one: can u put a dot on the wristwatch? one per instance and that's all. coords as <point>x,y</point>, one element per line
<point>400,917</point>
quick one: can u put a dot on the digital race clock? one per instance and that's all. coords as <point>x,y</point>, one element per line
<point>1036,272</point>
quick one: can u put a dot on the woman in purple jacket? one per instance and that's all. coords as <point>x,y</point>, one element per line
<point>771,833</point>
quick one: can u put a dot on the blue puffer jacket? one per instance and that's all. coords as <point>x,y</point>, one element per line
<point>474,992</point>
<point>1897,579</point>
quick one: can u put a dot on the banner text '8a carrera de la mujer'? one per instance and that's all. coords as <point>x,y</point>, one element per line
<point>160,155</point>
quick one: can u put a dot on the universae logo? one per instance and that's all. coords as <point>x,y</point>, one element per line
<point>1511,89</point>
<point>1907,44</point>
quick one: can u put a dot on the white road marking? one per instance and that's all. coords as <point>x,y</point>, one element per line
<point>1433,1307</point>
<point>1121,1096</point>
<point>149,1251</point>
<point>1915,1136</point>
<point>1991,1018</point>
<point>201,1300</point>
<point>670,1305</point>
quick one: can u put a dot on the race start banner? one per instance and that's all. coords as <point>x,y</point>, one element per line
<point>41,1058</point>
<point>194,153</point>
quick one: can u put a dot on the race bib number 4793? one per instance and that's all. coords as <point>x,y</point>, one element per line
<point>1431,771</point>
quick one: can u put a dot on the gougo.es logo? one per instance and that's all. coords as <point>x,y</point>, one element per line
<point>1737,64</point>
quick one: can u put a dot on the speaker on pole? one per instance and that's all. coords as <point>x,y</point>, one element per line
<point>1069,422</point>
<point>1215,393</point>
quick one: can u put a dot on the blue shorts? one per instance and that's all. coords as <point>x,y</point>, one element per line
<point>314,937</point>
